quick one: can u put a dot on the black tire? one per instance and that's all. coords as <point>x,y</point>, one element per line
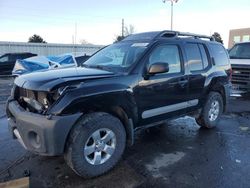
<point>204,120</point>
<point>81,134</point>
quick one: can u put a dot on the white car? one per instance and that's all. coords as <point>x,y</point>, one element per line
<point>240,62</point>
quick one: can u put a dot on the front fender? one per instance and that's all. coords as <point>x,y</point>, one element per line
<point>96,98</point>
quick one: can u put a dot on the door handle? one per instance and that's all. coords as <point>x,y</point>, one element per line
<point>183,82</point>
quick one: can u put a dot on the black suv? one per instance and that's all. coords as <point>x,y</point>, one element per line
<point>90,114</point>
<point>8,60</point>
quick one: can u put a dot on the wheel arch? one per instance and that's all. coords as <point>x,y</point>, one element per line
<point>218,84</point>
<point>120,105</point>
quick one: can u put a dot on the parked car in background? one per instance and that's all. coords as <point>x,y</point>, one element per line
<point>48,62</point>
<point>240,62</point>
<point>7,61</point>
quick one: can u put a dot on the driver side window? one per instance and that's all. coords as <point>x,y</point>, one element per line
<point>166,54</point>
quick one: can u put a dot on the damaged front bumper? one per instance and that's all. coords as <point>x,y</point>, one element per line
<point>43,134</point>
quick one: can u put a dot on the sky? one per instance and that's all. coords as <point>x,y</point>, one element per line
<point>99,22</point>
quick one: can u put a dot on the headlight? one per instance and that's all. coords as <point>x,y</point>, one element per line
<point>13,89</point>
<point>34,104</point>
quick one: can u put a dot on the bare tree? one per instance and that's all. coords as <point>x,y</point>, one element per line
<point>217,37</point>
<point>128,30</point>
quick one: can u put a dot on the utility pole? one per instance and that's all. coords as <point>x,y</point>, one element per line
<point>75,32</point>
<point>122,27</point>
<point>172,10</point>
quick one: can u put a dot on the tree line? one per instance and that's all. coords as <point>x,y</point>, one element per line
<point>127,31</point>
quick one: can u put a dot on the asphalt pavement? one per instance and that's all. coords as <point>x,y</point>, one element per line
<point>176,154</point>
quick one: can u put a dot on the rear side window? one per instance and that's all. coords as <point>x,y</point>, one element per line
<point>219,54</point>
<point>194,57</point>
<point>12,57</point>
<point>23,56</point>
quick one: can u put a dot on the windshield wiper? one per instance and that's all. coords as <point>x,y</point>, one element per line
<point>101,67</point>
<point>84,65</point>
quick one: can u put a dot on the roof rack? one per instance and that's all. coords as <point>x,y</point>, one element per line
<point>183,34</point>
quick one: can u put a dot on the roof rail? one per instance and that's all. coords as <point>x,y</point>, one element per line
<point>183,34</point>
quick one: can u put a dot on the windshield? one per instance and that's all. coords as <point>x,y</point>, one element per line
<point>117,57</point>
<point>240,51</point>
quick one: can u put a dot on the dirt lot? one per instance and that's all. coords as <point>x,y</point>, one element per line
<point>176,154</point>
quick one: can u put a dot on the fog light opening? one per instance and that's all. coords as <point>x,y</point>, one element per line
<point>34,139</point>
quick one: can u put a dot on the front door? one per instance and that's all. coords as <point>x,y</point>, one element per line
<point>163,95</point>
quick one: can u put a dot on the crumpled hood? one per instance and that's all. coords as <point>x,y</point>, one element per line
<point>240,61</point>
<point>48,79</point>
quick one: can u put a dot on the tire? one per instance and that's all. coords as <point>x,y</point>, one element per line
<point>90,155</point>
<point>212,111</point>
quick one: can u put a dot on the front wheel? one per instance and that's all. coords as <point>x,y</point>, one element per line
<point>95,145</point>
<point>212,111</point>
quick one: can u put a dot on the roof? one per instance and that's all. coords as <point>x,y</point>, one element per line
<point>166,34</point>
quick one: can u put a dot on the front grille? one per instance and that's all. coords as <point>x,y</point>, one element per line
<point>241,77</point>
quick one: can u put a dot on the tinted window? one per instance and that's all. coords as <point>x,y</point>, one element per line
<point>22,56</point>
<point>168,54</point>
<point>219,54</point>
<point>193,57</point>
<point>13,57</point>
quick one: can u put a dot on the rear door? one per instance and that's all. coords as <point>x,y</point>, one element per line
<point>198,64</point>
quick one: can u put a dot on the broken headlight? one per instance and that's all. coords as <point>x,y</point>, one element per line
<point>34,104</point>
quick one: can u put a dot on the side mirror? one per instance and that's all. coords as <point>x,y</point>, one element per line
<point>159,67</point>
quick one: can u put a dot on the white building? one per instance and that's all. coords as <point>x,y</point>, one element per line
<point>47,49</point>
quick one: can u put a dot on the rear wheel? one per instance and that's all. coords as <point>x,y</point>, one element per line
<point>95,144</point>
<point>212,111</point>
